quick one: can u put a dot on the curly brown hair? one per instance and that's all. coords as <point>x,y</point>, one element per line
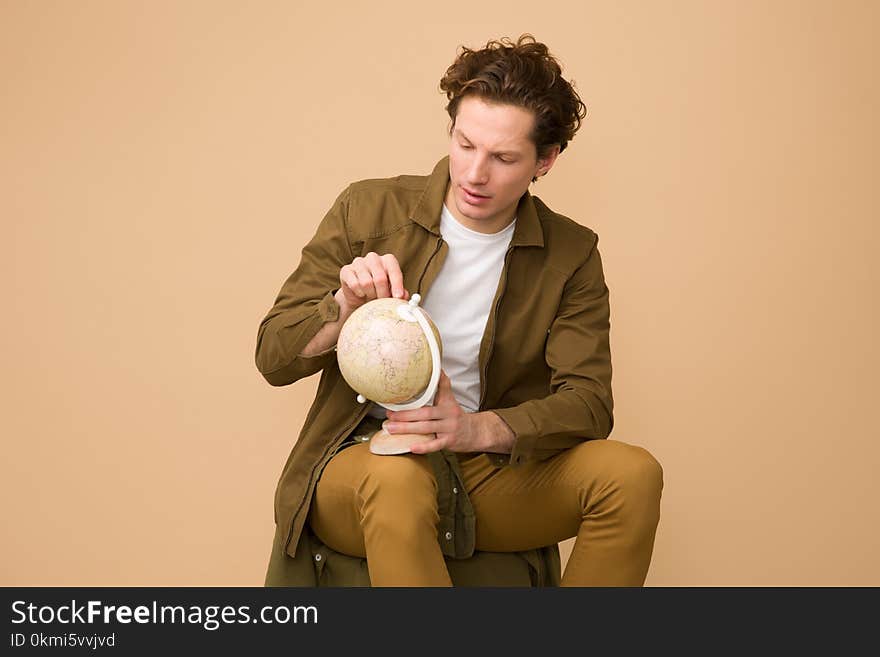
<point>524,74</point>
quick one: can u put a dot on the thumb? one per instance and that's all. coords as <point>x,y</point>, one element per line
<point>444,385</point>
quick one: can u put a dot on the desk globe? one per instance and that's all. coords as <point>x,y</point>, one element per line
<point>389,352</point>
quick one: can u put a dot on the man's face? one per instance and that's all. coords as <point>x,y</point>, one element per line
<point>492,160</point>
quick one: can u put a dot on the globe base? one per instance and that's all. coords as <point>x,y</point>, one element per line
<point>384,443</point>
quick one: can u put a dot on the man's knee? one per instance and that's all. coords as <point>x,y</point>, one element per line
<point>641,473</point>
<point>637,484</point>
<point>622,469</point>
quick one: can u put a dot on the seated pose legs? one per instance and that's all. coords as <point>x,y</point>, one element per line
<point>604,492</point>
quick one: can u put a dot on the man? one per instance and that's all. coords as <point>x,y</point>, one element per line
<point>519,296</point>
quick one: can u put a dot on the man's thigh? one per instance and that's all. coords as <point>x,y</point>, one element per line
<point>530,505</point>
<point>335,514</point>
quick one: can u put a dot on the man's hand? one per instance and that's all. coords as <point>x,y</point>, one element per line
<point>455,429</point>
<point>365,279</point>
<point>368,278</point>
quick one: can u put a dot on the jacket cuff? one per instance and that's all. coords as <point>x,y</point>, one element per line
<point>299,366</point>
<point>328,311</point>
<point>524,431</point>
<point>328,308</point>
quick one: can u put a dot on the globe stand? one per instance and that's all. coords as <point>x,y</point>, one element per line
<point>382,442</point>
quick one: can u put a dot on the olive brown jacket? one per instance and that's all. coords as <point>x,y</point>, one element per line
<point>544,360</point>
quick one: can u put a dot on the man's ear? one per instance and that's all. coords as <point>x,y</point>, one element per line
<point>546,163</point>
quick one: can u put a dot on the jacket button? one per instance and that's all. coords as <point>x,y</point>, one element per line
<point>455,490</point>
<point>317,557</point>
<point>448,536</point>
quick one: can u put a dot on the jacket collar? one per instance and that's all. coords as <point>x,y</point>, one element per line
<point>527,232</point>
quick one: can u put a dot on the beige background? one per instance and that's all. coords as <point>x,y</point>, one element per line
<point>162,164</point>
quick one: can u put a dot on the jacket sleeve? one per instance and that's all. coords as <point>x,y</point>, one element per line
<point>305,303</point>
<point>580,406</point>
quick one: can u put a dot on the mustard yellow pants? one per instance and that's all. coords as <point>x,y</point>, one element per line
<point>604,492</point>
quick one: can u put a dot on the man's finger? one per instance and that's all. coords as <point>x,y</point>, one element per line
<point>350,280</point>
<point>444,386</point>
<point>379,275</point>
<point>395,276</point>
<point>365,281</point>
<point>429,446</point>
<point>415,414</point>
<point>423,426</point>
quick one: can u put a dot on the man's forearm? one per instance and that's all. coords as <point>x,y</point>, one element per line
<point>328,335</point>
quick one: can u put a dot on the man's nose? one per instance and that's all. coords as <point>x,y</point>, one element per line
<point>478,172</point>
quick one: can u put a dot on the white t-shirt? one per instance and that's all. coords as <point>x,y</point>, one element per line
<point>460,300</point>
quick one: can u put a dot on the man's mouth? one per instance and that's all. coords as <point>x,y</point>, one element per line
<point>474,195</point>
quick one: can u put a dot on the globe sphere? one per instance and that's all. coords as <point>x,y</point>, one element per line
<point>383,355</point>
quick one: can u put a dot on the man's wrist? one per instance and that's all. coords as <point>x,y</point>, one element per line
<point>345,310</point>
<point>497,437</point>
